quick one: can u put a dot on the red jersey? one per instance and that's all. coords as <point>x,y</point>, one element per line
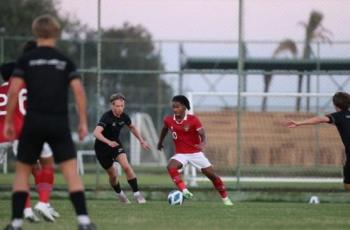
<point>18,117</point>
<point>185,133</point>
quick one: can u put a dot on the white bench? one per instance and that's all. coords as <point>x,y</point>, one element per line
<point>3,161</point>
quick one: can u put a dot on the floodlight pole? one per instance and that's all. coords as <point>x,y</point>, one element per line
<point>239,90</point>
<point>98,85</point>
<point>99,35</point>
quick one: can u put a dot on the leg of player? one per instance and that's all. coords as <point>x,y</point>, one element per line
<point>218,184</point>
<point>173,167</point>
<point>347,187</point>
<point>44,179</point>
<point>76,193</point>
<point>131,177</point>
<point>28,211</point>
<point>113,181</point>
<point>20,193</point>
<point>346,174</point>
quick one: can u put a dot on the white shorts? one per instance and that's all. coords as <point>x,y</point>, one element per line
<point>46,152</point>
<point>198,160</point>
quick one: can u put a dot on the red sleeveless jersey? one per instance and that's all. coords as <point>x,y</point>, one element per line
<point>18,117</point>
<point>185,133</point>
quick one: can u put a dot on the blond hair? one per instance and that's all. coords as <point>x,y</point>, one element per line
<point>46,26</point>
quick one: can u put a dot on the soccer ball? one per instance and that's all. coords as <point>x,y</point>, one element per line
<point>175,197</point>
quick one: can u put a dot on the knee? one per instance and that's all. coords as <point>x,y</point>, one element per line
<point>211,176</point>
<point>127,168</point>
<point>112,177</point>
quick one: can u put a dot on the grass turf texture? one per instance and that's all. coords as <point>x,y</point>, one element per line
<point>109,214</point>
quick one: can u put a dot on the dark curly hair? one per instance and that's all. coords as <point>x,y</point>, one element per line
<point>183,100</point>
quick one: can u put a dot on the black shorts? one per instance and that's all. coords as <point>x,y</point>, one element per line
<point>346,172</point>
<point>39,128</point>
<point>107,155</point>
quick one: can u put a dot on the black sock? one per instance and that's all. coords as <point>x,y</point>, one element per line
<point>78,201</point>
<point>133,185</point>
<point>18,203</point>
<point>117,188</point>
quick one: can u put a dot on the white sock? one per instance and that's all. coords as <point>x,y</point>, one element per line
<point>137,193</point>
<point>17,223</point>
<point>83,219</point>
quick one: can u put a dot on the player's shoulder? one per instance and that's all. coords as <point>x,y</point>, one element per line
<point>125,116</point>
<point>107,114</point>
<point>192,117</point>
<point>168,118</point>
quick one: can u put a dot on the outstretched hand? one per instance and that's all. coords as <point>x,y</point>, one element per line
<point>113,144</point>
<point>145,145</point>
<point>291,124</point>
<point>160,146</point>
<point>200,145</point>
<point>9,131</point>
<point>82,131</point>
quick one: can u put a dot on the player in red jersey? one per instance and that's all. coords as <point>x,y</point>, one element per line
<point>43,172</point>
<point>189,138</point>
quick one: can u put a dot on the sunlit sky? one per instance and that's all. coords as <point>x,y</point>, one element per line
<point>218,20</point>
<point>214,19</point>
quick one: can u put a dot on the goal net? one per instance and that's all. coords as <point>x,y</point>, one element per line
<point>268,150</point>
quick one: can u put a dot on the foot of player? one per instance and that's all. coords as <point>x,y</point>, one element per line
<point>188,195</point>
<point>138,197</point>
<point>45,210</point>
<point>227,201</point>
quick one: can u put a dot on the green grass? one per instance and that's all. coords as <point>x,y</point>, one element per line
<point>109,214</point>
<point>151,181</point>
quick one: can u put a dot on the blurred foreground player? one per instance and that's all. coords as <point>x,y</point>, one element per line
<point>43,171</point>
<point>47,75</point>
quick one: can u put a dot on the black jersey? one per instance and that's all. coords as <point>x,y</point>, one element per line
<point>112,125</point>
<point>342,122</point>
<point>46,73</point>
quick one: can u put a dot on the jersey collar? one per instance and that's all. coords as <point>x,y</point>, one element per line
<point>180,122</point>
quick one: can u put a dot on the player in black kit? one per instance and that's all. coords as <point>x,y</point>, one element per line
<point>47,75</point>
<point>108,147</point>
<point>341,119</point>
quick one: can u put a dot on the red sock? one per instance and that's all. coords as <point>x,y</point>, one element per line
<point>44,181</point>
<point>219,185</point>
<point>28,202</point>
<point>175,176</point>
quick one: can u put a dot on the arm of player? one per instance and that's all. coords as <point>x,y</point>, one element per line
<point>311,121</point>
<point>98,134</point>
<point>137,134</point>
<point>12,94</point>
<point>203,138</point>
<point>80,100</point>
<point>163,133</point>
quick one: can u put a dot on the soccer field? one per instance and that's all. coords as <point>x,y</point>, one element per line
<point>197,215</point>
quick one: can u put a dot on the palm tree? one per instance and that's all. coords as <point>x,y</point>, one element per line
<point>313,30</point>
<point>286,45</point>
